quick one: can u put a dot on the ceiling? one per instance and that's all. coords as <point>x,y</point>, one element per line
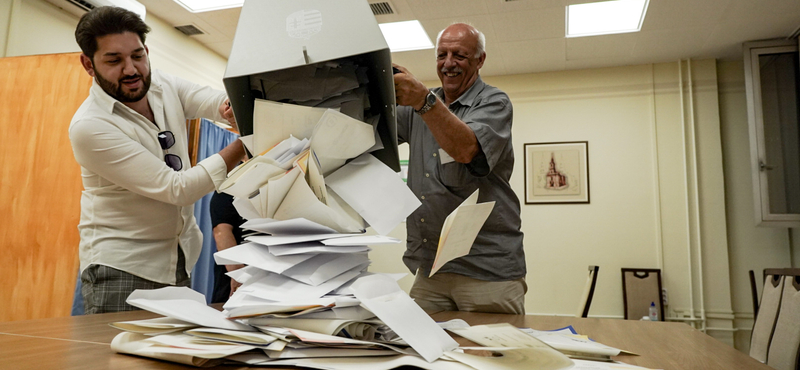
<point>527,36</point>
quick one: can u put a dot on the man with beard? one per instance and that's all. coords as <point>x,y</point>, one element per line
<point>137,228</point>
<point>459,140</point>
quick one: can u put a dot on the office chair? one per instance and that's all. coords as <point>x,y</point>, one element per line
<point>588,292</point>
<point>640,288</point>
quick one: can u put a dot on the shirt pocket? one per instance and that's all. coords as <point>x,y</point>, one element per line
<point>454,174</point>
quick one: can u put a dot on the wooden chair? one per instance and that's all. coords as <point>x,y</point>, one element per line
<point>588,292</point>
<point>640,288</point>
<point>764,324</point>
<point>784,347</point>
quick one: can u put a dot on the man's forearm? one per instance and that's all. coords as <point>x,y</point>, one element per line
<point>452,134</point>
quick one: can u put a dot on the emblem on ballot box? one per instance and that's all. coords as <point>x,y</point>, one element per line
<point>304,24</point>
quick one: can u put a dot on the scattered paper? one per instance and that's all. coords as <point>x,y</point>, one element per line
<point>460,229</point>
<point>381,295</point>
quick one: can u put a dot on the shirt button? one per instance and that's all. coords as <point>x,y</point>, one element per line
<point>423,197</point>
<point>424,240</point>
<point>434,154</point>
<point>421,220</point>
<point>427,175</point>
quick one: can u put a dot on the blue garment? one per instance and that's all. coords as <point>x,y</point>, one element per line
<point>212,139</point>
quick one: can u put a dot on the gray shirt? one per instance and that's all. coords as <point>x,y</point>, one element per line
<point>497,253</point>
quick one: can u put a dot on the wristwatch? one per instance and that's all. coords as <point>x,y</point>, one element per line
<point>430,101</point>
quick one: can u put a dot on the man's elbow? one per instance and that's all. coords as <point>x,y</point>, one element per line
<point>466,156</point>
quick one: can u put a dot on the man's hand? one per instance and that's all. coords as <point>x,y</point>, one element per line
<point>408,90</point>
<point>226,112</point>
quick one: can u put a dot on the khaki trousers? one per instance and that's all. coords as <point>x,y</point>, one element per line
<point>454,292</point>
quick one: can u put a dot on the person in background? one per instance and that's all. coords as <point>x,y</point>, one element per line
<point>459,140</point>
<point>226,222</point>
<point>137,230</point>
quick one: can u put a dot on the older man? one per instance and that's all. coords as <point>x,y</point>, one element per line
<point>137,227</point>
<point>460,140</point>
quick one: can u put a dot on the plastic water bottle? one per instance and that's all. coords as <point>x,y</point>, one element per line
<point>653,312</point>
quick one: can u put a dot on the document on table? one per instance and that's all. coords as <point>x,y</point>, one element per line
<point>159,325</point>
<point>184,304</point>
<point>381,295</point>
<point>460,229</point>
<point>375,192</point>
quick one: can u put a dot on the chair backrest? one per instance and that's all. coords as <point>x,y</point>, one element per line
<point>754,292</point>
<point>785,344</point>
<point>640,288</point>
<point>588,292</point>
<point>764,324</point>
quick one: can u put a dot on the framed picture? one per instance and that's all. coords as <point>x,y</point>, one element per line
<point>557,173</point>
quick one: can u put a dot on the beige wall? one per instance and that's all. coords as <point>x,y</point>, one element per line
<point>31,27</point>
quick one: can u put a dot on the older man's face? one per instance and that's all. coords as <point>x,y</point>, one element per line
<point>456,62</point>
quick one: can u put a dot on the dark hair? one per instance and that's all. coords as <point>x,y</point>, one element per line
<point>107,20</point>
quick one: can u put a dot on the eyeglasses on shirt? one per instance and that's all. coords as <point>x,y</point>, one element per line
<point>167,140</point>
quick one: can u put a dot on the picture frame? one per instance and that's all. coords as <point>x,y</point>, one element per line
<point>557,172</point>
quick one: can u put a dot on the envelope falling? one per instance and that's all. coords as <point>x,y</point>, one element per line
<point>460,229</point>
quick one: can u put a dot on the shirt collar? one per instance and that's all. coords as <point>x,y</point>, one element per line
<point>468,97</point>
<point>107,102</point>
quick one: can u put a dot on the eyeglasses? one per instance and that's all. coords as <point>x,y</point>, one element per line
<point>167,140</point>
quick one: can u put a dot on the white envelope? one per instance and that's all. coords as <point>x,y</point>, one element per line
<point>375,192</point>
<point>381,295</point>
<point>295,226</point>
<point>460,229</point>
<point>257,255</point>
<point>273,122</point>
<point>323,267</point>
<point>184,304</point>
<point>281,288</point>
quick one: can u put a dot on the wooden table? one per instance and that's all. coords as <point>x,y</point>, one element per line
<point>82,342</point>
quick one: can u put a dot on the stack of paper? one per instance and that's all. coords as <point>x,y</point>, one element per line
<point>385,330</point>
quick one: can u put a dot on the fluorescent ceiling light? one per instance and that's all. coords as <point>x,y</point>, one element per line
<point>606,17</point>
<point>197,6</point>
<point>405,36</point>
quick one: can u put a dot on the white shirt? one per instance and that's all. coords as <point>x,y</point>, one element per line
<point>135,210</point>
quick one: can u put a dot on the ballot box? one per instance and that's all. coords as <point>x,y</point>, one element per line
<point>318,53</point>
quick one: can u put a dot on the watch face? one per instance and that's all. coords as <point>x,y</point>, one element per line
<point>431,98</point>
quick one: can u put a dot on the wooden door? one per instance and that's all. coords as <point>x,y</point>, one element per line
<point>40,184</point>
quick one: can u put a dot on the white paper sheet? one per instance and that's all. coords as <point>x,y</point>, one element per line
<point>271,240</point>
<point>278,187</point>
<point>338,137</point>
<point>257,255</point>
<point>300,202</point>
<point>281,288</point>
<point>323,267</point>
<point>184,304</point>
<point>315,247</point>
<point>381,295</point>
<point>273,122</point>
<point>362,240</point>
<point>245,209</point>
<point>295,226</point>
<point>515,359</point>
<point>375,192</point>
<point>460,229</point>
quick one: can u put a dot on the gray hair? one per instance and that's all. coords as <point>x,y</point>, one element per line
<point>481,47</point>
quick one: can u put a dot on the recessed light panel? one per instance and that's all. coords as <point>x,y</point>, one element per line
<point>198,6</point>
<point>605,17</point>
<point>405,36</point>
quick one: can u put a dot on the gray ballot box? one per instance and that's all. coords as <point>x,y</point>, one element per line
<point>309,52</point>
